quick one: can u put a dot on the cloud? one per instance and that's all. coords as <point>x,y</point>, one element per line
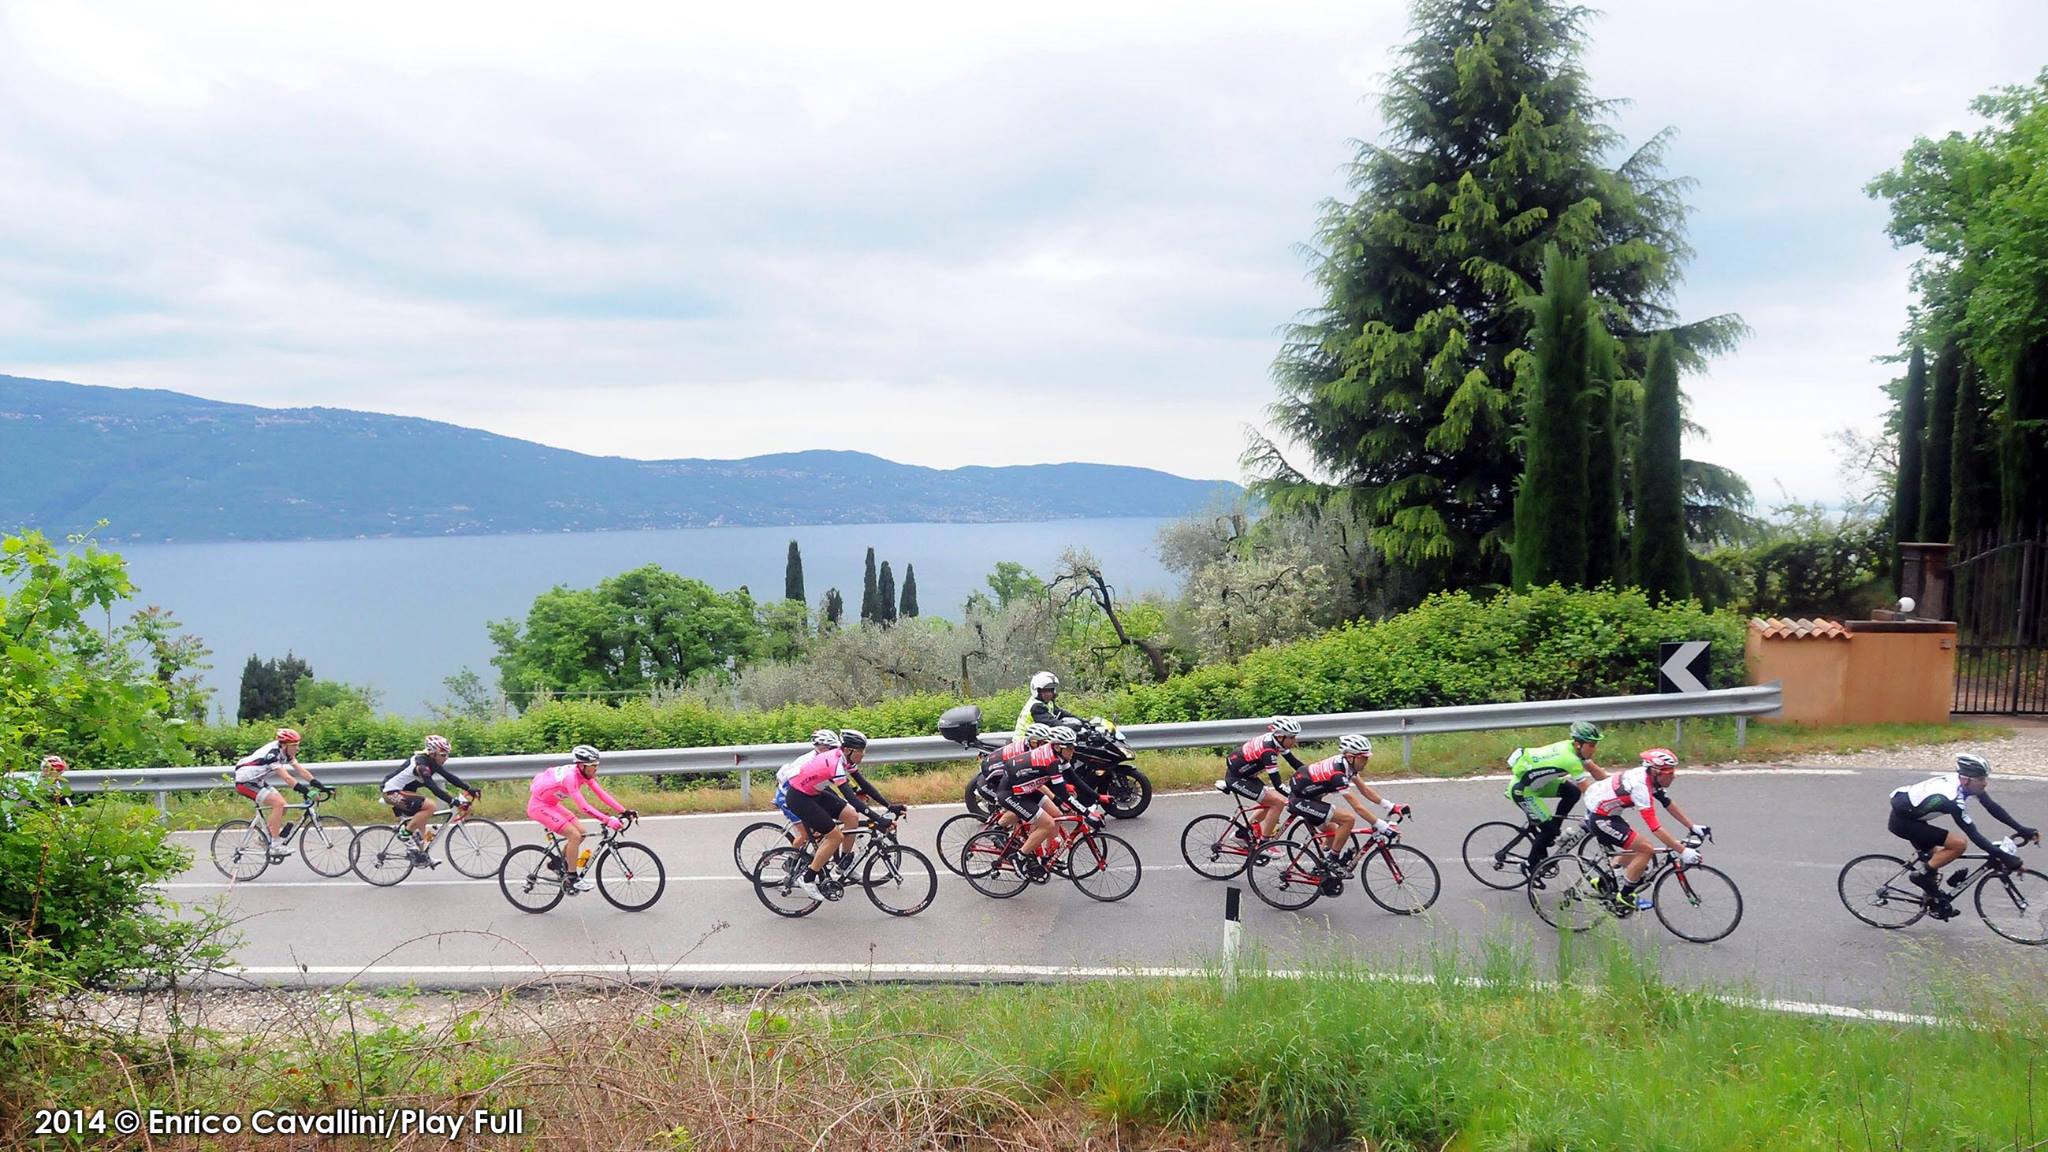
<point>947,234</point>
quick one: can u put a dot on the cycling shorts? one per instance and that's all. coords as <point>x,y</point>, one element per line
<point>255,793</point>
<point>406,804</point>
<point>1613,831</point>
<point>819,813</point>
<point>1250,788</point>
<point>1532,786</point>
<point>552,817</point>
<point>1921,834</point>
<point>1316,812</point>
<point>782,801</point>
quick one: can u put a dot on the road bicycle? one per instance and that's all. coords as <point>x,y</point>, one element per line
<point>1878,889</point>
<point>242,849</point>
<point>1497,852</point>
<point>1103,866</point>
<point>1293,874</point>
<point>1220,847</point>
<point>898,879</point>
<point>473,845</point>
<point>535,877</point>
<point>757,840</point>
<point>958,829</point>
<point>1696,902</point>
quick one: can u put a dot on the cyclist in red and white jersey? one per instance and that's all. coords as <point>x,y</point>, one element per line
<point>1040,784</point>
<point>279,758</point>
<point>993,782</point>
<point>1242,767</point>
<point>1314,790</point>
<point>1643,789</point>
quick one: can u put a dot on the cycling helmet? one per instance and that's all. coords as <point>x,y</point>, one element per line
<point>1354,744</point>
<point>1062,736</point>
<point>1971,764</point>
<point>1038,732</point>
<point>1284,726</point>
<point>584,754</point>
<point>436,746</point>
<point>853,738</point>
<point>1660,758</point>
<point>1044,680</point>
<point>287,736</point>
<point>55,764</point>
<point>825,738</point>
<point>1585,731</point>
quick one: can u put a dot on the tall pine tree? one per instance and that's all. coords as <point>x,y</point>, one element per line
<point>1603,460</point>
<point>885,596</point>
<point>1398,384</point>
<point>793,576</point>
<point>1974,496</point>
<point>1550,509</point>
<point>2023,441</point>
<point>1660,561</point>
<point>1912,437</point>
<point>1941,428</point>
<point>834,609</point>
<point>909,591</point>
<point>868,614</point>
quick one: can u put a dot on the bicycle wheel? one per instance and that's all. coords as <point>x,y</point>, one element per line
<point>899,880</point>
<point>1104,867</point>
<point>630,876</point>
<point>531,878</point>
<point>1878,890</point>
<point>1130,793</point>
<point>1212,846</point>
<point>475,846</point>
<point>990,867</point>
<point>755,840</point>
<point>240,850</point>
<point>1561,890</point>
<point>379,856</point>
<point>2015,905</point>
<point>324,845</point>
<point>1286,875</point>
<point>1698,903</point>
<point>1496,853</point>
<point>1401,879</point>
<point>954,835</point>
<point>775,883</point>
<point>977,804</point>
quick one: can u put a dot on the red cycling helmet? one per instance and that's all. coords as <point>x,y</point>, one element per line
<point>1662,759</point>
<point>55,764</point>
<point>287,735</point>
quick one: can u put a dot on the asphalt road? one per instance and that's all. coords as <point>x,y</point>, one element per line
<point>1782,834</point>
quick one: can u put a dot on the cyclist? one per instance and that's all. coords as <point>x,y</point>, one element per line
<point>1263,754</point>
<point>823,740</point>
<point>54,768</point>
<point>279,758</point>
<point>402,788</point>
<point>1553,771</point>
<point>1636,788</point>
<point>1040,785</point>
<point>996,768</point>
<point>1949,794</point>
<point>1042,708</point>
<point>829,795</point>
<point>1313,788</point>
<point>567,782</point>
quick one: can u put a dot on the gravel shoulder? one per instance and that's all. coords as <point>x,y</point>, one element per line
<point>2023,753</point>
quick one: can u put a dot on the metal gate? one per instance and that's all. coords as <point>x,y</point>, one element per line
<point>1999,590</point>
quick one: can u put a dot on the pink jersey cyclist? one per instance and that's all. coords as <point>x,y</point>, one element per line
<point>820,770</point>
<point>554,786</point>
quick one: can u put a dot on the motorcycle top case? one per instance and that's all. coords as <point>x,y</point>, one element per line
<point>961,725</point>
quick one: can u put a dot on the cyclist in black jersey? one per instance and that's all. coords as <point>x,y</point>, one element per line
<point>1949,794</point>
<point>1262,754</point>
<point>420,770</point>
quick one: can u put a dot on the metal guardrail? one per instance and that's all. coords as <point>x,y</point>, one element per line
<point>1407,723</point>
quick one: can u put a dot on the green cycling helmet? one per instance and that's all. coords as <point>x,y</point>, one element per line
<point>1586,730</point>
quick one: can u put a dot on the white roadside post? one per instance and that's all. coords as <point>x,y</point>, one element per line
<point>1233,935</point>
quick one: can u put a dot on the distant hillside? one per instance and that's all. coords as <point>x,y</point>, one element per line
<point>167,466</point>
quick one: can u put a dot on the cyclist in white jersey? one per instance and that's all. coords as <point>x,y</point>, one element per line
<point>1643,789</point>
<point>278,758</point>
<point>1915,805</point>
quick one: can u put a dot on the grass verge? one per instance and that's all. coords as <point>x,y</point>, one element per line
<point>1612,1059</point>
<point>1450,754</point>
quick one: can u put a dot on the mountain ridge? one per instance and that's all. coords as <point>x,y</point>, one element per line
<point>162,465</point>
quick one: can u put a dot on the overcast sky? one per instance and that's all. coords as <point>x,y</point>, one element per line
<point>717,230</point>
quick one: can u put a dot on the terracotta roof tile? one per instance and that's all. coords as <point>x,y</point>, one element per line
<point>1781,629</point>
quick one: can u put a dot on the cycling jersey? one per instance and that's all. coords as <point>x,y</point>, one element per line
<point>417,772</point>
<point>258,765</point>
<point>1259,754</point>
<point>825,768</point>
<point>1944,796</point>
<point>553,786</point>
<point>1320,779</point>
<point>1552,771</point>
<point>1630,789</point>
<point>784,774</point>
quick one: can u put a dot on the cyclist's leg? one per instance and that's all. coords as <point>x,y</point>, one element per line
<point>816,815</point>
<point>557,819</point>
<point>273,809</point>
<point>1042,826</point>
<point>1613,832</point>
<point>799,832</point>
<point>1951,848</point>
<point>1929,845</point>
<point>1338,828</point>
<point>1273,805</point>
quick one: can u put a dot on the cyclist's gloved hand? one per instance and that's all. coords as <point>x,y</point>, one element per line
<point>899,809</point>
<point>631,813</point>
<point>1384,827</point>
<point>1689,856</point>
<point>1394,809</point>
<point>1703,832</point>
<point>2028,835</point>
<point>2010,861</point>
<point>303,789</point>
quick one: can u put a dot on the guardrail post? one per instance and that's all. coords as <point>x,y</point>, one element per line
<point>746,788</point>
<point>1678,734</point>
<point>163,805</point>
<point>1233,932</point>
<point>1741,731</point>
<point>1407,745</point>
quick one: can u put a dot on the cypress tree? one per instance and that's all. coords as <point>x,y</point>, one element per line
<point>1973,479</point>
<point>2023,446</point>
<point>909,591</point>
<point>793,575</point>
<point>835,608</point>
<point>867,592</point>
<point>1661,567</point>
<point>1912,435</point>
<point>1603,462</point>
<point>1941,426</point>
<point>1551,510</point>
<point>885,596</point>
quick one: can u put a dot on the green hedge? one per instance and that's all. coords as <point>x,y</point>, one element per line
<point>1545,644</point>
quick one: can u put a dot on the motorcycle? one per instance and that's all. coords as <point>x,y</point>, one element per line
<point>1099,749</point>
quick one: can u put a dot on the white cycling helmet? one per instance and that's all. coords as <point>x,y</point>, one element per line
<point>825,738</point>
<point>584,754</point>
<point>1284,726</point>
<point>1044,680</point>
<point>1354,743</point>
<point>437,745</point>
<point>1038,732</point>
<point>1062,736</point>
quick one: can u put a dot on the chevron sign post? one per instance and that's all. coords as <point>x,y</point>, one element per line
<point>1682,666</point>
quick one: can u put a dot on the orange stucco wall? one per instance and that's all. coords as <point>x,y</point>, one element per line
<point>1903,677</point>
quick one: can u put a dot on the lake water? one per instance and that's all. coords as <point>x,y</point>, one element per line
<point>402,614</point>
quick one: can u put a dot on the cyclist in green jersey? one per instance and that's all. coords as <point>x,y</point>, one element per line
<point>1553,771</point>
